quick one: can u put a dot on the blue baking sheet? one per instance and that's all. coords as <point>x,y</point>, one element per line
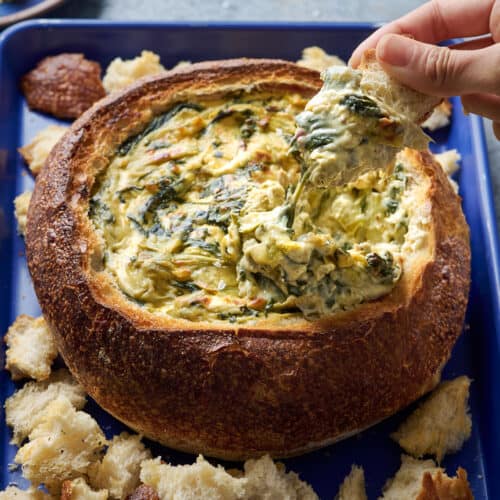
<point>476,354</point>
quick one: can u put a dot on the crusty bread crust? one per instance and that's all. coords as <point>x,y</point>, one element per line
<point>236,391</point>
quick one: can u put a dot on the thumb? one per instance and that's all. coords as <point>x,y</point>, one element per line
<point>440,71</point>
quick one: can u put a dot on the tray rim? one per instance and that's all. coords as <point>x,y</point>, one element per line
<point>486,204</point>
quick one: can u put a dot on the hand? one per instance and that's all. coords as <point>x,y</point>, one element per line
<point>470,69</point>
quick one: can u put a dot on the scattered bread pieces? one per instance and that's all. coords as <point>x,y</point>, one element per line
<point>21,205</point>
<point>31,348</point>
<point>440,117</point>
<point>62,446</point>
<point>64,85</point>
<point>262,479</point>
<point>25,408</point>
<point>36,152</point>
<point>422,480</point>
<point>14,493</point>
<point>78,489</point>
<point>449,160</point>
<point>353,487</point>
<point>316,58</point>
<point>122,73</point>
<point>119,470</point>
<point>441,424</point>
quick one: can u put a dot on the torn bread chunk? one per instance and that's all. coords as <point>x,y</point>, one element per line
<point>422,480</point>
<point>440,117</point>
<point>316,58</point>
<point>353,486</point>
<point>119,470</point>
<point>25,408</point>
<point>21,205</point>
<point>441,424</point>
<point>62,446</point>
<point>122,73</point>
<point>261,479</point>
<point>31,348</point>
<point>358,122</point>
<point>78,489</point>
<point>14,493</point>
<point>449,161</point>
<point>36,152</point>
<point>144,492</point>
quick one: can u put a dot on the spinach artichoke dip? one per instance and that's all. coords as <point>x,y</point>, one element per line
<point>206,215</point>
<point>345,132</point>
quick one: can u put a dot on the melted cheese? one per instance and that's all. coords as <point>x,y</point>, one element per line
<point>202,216</point>
<point>344,133</point>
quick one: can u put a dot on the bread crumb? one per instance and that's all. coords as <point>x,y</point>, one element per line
<point>144,492</point>
<point>119,470</point>
<point>78,489</point>
<point>21,205</point>
<point>449,161</point>
<point>24,409</point>
<point>262,479</point>
<point>440,117</point>
<point>422,480</point>
<point>31,348</point>
<point>122,73</point>
<point>441,424</point>
<point>14,493</point>
<point>353,487</point>
<point>316,58</point>
<point>36,152</point>
<point>62,446</point>
<point>182,64</point>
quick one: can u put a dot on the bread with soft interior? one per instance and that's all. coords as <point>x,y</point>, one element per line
<point>15,493</point>
<point>222,388</point>
<point>423,480</point>
<point>31,348</point>
<point>36,152</point>
<point>353,487</point>
<point>62,446</point>
<point>25,408</point>
<point>21,205</point>
<point>78,489</point>
<point>118,471</point>
<point>441,424</point>
<point>317,59</point>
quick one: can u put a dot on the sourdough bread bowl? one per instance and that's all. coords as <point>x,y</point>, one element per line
<point>144,248</point>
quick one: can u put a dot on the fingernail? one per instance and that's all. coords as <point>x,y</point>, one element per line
<point>395,50</point>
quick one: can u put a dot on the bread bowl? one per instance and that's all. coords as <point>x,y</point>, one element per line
<point>278,377</point>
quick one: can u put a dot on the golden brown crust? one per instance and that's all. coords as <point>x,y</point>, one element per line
<point>442,487</point>
<point>64,85</point>
<point>235,392</point>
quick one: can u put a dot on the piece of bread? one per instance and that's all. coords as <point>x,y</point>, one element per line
<point>118,471</point>
<point>78,489</point>
<point>449,161</point>
<point>14,493</point>
<point>122,73</point>
<point>441,424</point>
<point>440,117</point>
<point>63,445</point>
<point>21,205</point>
<point>64,85</point>
<point>317,59</point>
<point>173,379</point>
<point>353,486</point>
<point>422,480</point>
<point>262,479</point>
<point>144,492</point>
<point>35,153</point>
<point>31,348</point>
<point>408,102</point>
<point>24,409</point>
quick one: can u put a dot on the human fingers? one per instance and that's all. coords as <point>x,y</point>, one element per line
<point>486,105</point>
<point>434,22</point>
<point>496,129</point>
<point>440,71</point>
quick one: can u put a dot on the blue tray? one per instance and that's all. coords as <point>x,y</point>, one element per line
<point>476,354</point>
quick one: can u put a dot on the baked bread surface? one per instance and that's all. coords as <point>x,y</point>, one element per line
<point>237,391</point>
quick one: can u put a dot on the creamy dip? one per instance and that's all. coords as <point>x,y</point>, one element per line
<point>202,216</point>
